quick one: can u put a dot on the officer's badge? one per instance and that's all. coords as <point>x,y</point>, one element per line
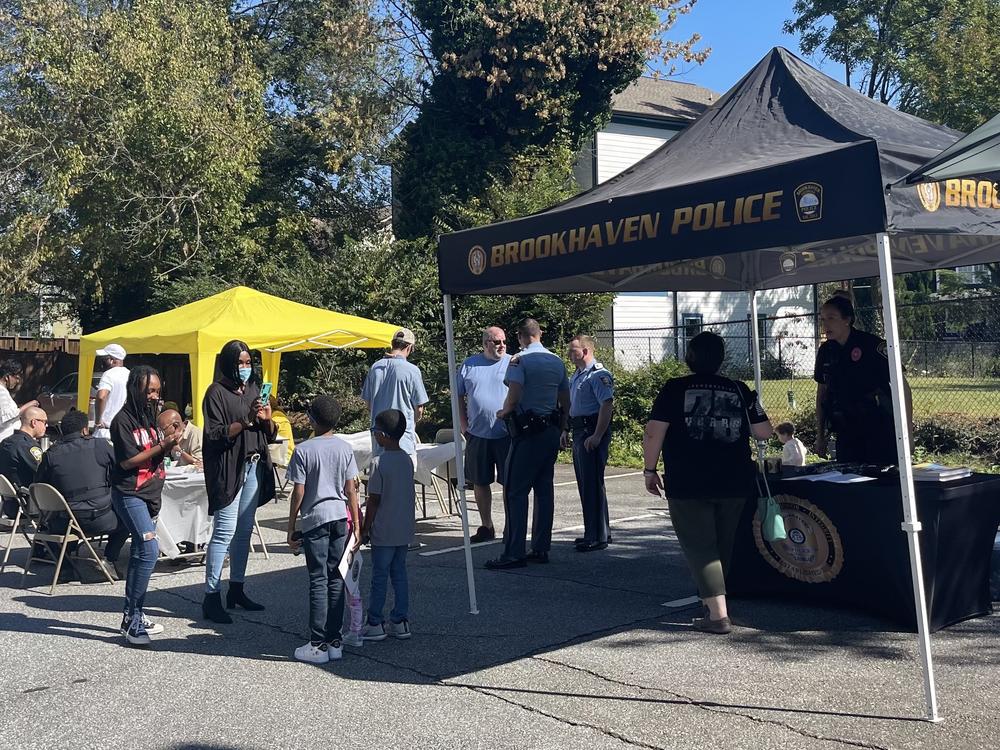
<point>856,354</point>
<point>36,452</point>
<point>881,349</point>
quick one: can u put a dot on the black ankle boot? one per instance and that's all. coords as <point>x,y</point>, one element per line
<point>236,598</point>
<point>213,610</point>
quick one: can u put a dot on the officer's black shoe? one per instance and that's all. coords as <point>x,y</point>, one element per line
<point>504,563</point>
<point>537,557</point>
<point>591,546</point>
<point>580,540</point>
<point>483,534</point>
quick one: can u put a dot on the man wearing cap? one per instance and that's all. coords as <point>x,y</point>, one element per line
<point>395,383</point>
<point>21,453</point>
<point>536,408</point>
<point>481,393</point>
<point>591,392</point>
<point>110,390</point>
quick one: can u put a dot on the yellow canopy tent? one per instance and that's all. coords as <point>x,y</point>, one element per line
<point>266,323</point>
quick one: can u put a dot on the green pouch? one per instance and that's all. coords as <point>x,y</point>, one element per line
<point>772,524</point>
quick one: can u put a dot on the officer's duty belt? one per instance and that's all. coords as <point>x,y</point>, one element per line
<point>583,423</point>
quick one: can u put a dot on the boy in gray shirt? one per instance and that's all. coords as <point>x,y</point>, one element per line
<point>390,525</point>
<point>324,473</point>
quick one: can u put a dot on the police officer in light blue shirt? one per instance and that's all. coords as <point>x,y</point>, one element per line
<point>481,393</point>
<point>591,391</point>
<point>536,410</point>
<point>394,383</point>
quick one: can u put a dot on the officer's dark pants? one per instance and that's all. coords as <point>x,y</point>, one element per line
<point>589,468</point>
<point>530,466</point>
<point>93,524</point>
<point>871,442</point>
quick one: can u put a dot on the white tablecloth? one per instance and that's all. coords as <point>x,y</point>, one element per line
<point>430,456</point>
<point>183,512</point>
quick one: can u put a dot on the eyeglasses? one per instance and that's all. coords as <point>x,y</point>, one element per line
<point>497,342</point>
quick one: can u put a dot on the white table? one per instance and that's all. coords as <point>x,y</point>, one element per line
<point>183,512</point>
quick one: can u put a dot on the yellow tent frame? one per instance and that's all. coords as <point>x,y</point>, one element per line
<point>269,324</point>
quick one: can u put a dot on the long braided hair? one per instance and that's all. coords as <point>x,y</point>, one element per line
<point>136,402</point>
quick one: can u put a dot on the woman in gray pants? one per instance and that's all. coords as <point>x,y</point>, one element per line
<point>702,424</point>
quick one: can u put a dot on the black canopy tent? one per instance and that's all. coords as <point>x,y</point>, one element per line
<point>975,155</point>
<point>782,182</point>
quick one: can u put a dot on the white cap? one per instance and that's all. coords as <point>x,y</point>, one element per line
<point>112,350</point>
<point>405,335</point>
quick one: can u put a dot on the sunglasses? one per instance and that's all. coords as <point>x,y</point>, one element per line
<point>497,342</point>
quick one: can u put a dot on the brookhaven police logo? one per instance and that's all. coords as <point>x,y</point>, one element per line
<point>929,194</point>
<point>477,260</point>
<point>809,201</point>
<point>788,262</point>
<point>813,551</point>
<point>717,267</point>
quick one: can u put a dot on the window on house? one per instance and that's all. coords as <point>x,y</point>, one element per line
<point>691,324</point>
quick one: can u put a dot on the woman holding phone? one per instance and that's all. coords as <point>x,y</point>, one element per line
<point>238,474</point>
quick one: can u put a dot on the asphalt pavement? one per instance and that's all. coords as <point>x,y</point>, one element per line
<point>579,653</point>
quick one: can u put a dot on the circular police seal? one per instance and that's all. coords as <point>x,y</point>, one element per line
<point>788,262</point>
<point>856,354</point>
<point>929,194</point>
<point>477,260</point>
<point>812,552</point>
<point>717,267</point>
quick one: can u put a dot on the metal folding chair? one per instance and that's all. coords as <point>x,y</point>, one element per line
<point>9,492</point>
<point>260,537</point>
<point>49,500</point>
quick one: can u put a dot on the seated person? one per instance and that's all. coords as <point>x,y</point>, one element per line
<point>79,466</point>
<point>188,450</point>
<point>20,454</point>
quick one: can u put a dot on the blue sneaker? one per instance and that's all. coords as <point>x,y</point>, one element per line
<point>136,633</point>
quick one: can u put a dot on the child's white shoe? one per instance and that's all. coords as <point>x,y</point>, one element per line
<point>334,651</point>
<point>373,632</point>
<point>353,639</point>
<point>399,629</point>
<point>313,654</point>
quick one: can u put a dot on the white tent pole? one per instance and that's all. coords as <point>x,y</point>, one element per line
<point>911,524</point>
<point>755,343</point>
<point>456,431</point>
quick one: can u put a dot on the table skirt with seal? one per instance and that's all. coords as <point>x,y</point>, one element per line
<point>183,513</point>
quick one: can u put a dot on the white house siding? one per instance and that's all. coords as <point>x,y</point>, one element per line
<point>619,146</point>
<point>642,328</point>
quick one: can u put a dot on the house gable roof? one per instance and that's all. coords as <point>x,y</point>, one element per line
<point>663,99</point>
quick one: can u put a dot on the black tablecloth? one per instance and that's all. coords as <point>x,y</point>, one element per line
<point>846,547</point>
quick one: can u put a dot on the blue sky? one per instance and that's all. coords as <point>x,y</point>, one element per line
<point>740,32</point>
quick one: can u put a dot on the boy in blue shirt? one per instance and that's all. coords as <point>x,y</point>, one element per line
<point>324,473</point>
<point>390,525</point>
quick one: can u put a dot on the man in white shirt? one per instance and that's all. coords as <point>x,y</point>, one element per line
<point>111,390</point>
<point>10,412</point>
<point>794,452</point>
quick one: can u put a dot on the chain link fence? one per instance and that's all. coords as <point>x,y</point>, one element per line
<point>950,350</point>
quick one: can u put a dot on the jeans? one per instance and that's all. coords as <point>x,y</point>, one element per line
<point>388,563</point>
<point>134,513</point>
<point>231,530</point>
<point>324,546</point>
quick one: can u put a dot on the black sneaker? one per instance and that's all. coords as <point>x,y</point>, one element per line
<point>537,557</point>
<point>136,634</point>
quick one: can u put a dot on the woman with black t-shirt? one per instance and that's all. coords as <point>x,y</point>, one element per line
<point>136,485</point>
<point>238,474</point>
<point>702,424</point>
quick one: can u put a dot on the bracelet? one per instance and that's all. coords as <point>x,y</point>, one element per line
<point>649,471</point>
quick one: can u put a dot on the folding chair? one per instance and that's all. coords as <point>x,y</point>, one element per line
<point>49,500</point>
<point>260,537</point>
<point>8,492</point>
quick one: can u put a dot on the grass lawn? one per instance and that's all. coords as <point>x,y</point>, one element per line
<point>972,396</point>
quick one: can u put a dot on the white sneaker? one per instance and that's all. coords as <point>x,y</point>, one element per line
<point>399,629</point>
<point>312,654</point>
<point>334,651</point>
<point>373,633</point>
<point>353,639</point>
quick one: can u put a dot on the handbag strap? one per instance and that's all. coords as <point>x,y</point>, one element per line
<point>761,473</point>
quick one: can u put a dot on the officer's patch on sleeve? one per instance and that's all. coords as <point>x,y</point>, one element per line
<point>36,453</point>
<point>515,361</point>
<point>606,379</point>
<point>881,349</point>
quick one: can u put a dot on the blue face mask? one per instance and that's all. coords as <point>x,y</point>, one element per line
<point>245,373</point>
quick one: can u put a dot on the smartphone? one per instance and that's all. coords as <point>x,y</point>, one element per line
<point>265,393</point>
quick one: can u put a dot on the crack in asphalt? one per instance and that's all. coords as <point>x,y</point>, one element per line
<point>711,706</point>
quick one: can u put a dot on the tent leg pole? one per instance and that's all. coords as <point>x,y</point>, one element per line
<point>911,523</point>
<point>755,343</point>
<point>449,328</point>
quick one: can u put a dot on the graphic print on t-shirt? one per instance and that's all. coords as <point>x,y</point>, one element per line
<point>144,439</point>
<point>713,414</point>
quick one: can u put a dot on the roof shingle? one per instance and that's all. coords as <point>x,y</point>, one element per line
<point>672,100</point>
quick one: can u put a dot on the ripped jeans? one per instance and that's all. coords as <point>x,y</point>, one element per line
<point>134,514</point>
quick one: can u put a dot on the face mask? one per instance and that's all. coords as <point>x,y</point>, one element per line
<point>245,373</point>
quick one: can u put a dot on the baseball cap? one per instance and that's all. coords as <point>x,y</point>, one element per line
<point>405,335</point>
<point>112,350</point>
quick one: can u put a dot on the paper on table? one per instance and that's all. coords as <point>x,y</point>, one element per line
<point>824,476</point>
<point>849,479</point>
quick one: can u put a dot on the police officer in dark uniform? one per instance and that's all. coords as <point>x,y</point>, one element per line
<point>79,466</point>
<point>21,453</point>
<point>591,390</point>
<point>853,396</point>
<point>536,410</point>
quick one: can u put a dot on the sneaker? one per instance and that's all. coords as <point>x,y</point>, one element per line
<point>335,651</point>
<point>373,632</point>
<point>313,654</point>
<point>151,628</point>
<point>354,640</point>
<point>136,634</point>
<point>400,629</point>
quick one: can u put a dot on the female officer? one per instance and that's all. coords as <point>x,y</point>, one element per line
<point>853,398</point>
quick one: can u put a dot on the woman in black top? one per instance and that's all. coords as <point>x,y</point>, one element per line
<point>702,424</point>
<point>136,485</point>
<point>238,474</point>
